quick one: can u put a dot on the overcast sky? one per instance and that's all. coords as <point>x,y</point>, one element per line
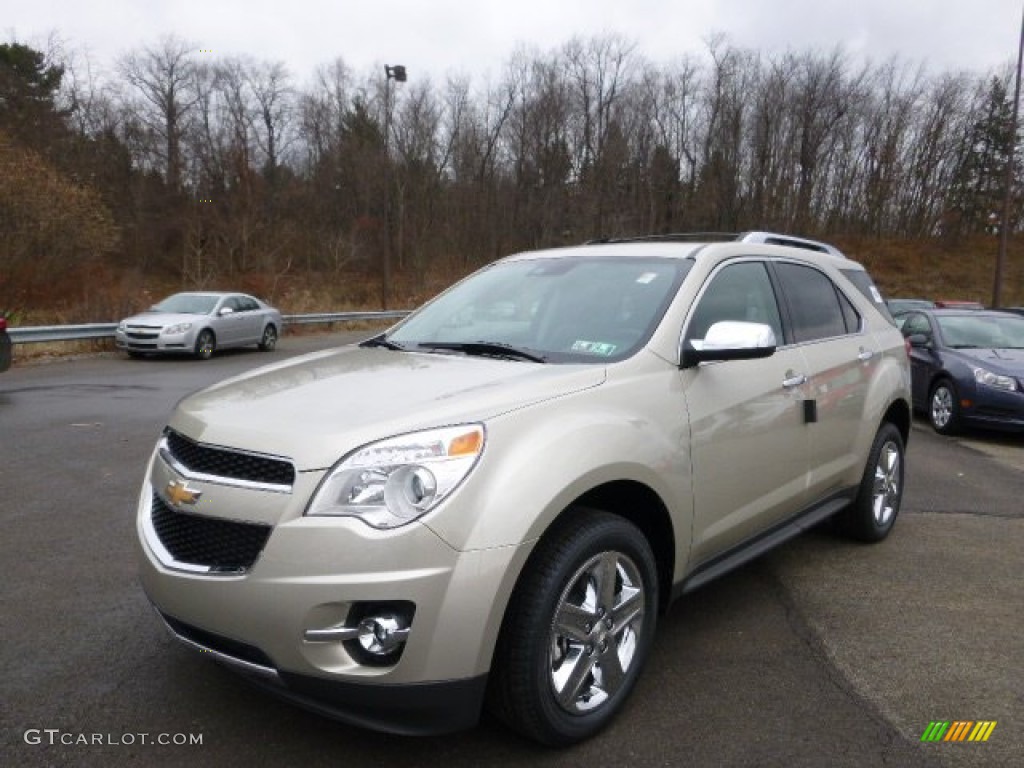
<point>438,37</point>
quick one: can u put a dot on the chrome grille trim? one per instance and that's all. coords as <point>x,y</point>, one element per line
<point>164,450</point>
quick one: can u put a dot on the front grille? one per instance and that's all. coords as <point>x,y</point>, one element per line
<point>223,545</point>
<point>224,462</point>
<point>141,335</point>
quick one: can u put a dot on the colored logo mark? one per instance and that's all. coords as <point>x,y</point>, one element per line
<point>958,730</point>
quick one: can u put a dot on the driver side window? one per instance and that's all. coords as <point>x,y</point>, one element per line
<point>737,292</point>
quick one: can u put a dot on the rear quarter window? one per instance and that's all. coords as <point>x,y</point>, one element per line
<point>862,282</point>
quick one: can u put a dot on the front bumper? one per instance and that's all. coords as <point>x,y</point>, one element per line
<point>311,574</point>
<point>995,409</point>
<point>412,709</point>
<point>153,341</point>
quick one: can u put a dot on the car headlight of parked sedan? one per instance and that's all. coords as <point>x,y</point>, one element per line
<point>990,379</point>
<point>174,330</point>
<point>392,482</point>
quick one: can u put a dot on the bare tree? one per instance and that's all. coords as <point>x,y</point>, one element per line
<point>163,79</point>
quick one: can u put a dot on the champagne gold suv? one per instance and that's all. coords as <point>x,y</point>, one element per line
<point>491,503</point>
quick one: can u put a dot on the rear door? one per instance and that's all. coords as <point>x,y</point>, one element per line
<point>839,358</point>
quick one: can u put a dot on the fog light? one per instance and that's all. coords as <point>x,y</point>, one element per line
<point>374,634</point>
<point>382,635</point>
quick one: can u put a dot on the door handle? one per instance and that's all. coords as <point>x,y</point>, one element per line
<point>865,355</point>
<point>794,381</point>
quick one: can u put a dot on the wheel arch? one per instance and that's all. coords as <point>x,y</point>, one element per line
<point>641,506</point>
<point>630,500</point>
<point>898,414</point>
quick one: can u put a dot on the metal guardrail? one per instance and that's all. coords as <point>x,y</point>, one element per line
<point>45,333</point>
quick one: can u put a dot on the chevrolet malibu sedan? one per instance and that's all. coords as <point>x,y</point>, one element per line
<point>200,323</point>
<point>967,367</point>
<point>490,504</point>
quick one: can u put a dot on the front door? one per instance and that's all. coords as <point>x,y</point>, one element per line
<point>749,442</point>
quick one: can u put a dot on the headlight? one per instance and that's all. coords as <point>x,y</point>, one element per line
<point>990,379</point>
<point>172,330</point>
<point>392,482</point>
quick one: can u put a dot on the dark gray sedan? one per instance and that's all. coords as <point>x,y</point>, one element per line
<point>967,367</point>
<point>199,323</point>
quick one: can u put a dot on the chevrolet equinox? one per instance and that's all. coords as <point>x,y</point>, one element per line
<point>491,503</point>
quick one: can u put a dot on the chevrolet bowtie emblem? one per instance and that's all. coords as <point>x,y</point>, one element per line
<point>178,493</point>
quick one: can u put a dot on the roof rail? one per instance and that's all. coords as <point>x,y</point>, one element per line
<point>768,238</point>
<point>668,237</point>
<point>774,238</point>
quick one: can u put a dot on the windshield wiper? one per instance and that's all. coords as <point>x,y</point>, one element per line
<point>486,348</point>
<point>382,341</point>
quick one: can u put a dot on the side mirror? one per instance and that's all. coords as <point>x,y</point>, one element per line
<point>225,311</point>
<point>920,340</point>
<point>730,340</point>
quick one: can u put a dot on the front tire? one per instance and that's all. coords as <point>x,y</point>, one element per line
<point>944,408</point>
<point>578,629</point>
<point>873,513</point>
<point>205,344</point>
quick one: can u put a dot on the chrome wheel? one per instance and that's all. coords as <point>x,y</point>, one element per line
<point>577,629</point>
<point>872,514</point>
<point>888,471</point>
<point>942,407</point>
<point>205,345</point>
<point>269,340</point>
<point>597,627</point>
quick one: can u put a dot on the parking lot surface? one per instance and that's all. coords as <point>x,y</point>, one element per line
<point>821,653</point>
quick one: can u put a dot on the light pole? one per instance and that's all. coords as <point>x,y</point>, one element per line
<point>396,73</point>
<point>1004,229</point>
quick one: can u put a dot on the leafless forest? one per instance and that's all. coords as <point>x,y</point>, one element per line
<point>182,168</point>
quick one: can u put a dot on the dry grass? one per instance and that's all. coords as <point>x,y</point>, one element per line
<point>936,270</point>
<point>92,292</point>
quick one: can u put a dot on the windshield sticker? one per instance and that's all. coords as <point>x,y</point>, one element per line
<point>647,277</point>
<point>594,348</point>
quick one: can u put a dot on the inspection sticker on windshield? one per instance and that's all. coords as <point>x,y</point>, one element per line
<point>594,347</point>
<point>647,277</point>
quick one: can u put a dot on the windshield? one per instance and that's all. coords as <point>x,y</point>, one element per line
<point>187,304</point>
<point>570,309</point>
<point>982,332</point>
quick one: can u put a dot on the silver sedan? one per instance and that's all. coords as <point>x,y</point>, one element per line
<point>199,323</point>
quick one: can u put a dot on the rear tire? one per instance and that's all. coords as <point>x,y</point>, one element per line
<point>206,343</point>
<point>873,513</point>
<point>269,340</point>
<point>577,631</point>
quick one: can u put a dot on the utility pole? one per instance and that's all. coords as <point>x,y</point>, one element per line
<point>1004,228</point>
<point>396,73</point>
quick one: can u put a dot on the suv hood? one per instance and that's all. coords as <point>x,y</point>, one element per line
<point>319,407</point>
